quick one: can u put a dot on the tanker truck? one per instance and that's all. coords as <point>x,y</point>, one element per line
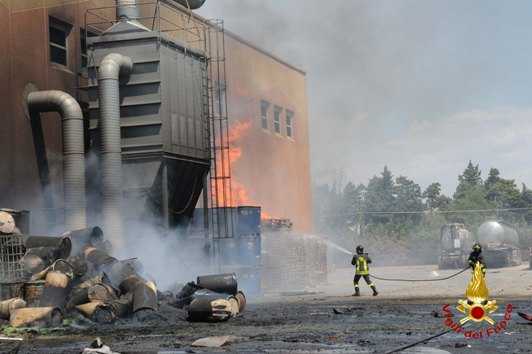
<point>500,244</point>
<point>455,244</point>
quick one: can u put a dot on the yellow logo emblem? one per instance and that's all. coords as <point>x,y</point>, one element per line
<point>476,306</point>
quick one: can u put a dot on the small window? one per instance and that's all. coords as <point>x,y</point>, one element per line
<point>289,124</point>
<point>277,119</point>
<point>58,35</point>
<point>264,106</point>
<point>83,36</point>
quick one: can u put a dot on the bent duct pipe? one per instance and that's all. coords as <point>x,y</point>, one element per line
<point>191,4</point>
<point>73,150</point>
<point>111,68</point>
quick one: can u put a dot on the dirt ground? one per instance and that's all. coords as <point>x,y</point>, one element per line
<point>309,324</point>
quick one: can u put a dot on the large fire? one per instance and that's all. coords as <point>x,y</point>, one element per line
<point>239,194</point>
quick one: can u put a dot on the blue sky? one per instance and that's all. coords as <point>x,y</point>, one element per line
<point>421,86</point>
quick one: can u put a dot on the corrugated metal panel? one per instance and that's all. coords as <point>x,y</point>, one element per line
<point>162,121</point>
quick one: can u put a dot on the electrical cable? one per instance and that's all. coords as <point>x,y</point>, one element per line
<point>420,280</point>
<point>456,211</point>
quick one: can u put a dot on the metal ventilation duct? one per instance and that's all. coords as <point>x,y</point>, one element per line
<point>127,9</point>
<point>73,150</point>
<point>112,66</point>
<point>191,4</point>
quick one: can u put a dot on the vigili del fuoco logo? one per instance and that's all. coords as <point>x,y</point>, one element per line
<point>477,309</point>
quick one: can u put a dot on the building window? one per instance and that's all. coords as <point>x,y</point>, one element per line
<point>264,114</point>
<point>58,35</point>
<point>83,36</point>
<point>289,124</point>
<point>277,119</point>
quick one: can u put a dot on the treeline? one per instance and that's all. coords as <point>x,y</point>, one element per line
<point>396,209</point>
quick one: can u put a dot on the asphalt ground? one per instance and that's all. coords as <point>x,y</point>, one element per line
<point>325,320</point>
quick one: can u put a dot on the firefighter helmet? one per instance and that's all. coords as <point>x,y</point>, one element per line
<point>477,247</point>
<point>360,249</point>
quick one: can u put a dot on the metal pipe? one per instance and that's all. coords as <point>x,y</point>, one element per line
<point>112,67</point>
<point>127,10</point>
<point>73,150</point>
<point>190,4</point>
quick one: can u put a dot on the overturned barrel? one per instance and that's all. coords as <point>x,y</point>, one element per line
<point>207,306</point>
<point>90,236</point>
<point>220,283</point>
<point>98,257</point>
<point>144,293</point>
<point>62,246</point>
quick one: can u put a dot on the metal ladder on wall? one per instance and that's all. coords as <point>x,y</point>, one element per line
<point>220,192</point>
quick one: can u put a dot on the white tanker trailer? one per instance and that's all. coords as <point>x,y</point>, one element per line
<point>500,244</point>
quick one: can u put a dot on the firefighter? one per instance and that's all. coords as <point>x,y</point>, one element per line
<point>360,261</point>
<point>476,257</point>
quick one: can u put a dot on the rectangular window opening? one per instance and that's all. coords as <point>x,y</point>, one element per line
<point>264,106</point>
<point>277,119</point>
<point>289,123</point>
<point>58,40</point>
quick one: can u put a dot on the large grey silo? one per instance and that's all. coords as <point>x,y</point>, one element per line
<point>164,122</point>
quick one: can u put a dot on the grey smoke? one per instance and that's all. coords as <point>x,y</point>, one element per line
<point>385,76</point>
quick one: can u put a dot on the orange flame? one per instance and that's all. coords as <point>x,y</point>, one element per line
<point>239,192</point>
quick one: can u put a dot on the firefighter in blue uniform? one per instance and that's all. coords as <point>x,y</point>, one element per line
<point>361,262</point>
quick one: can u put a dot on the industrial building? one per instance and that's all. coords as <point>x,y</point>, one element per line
<point>255,116</point>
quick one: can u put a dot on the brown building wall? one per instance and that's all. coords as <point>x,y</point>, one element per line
<point>25,59</point>
<point>272,169</point>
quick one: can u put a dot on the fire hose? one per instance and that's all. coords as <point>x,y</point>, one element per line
<point>420,280</point>
<point>414,280</point>
<point>424,340</point>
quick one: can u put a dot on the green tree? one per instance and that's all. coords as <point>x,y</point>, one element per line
<point>472,198</point>
<point>493,178</point>
<point>470,178</point>
<point>526,202</point>
<point>434,198</point>
<point>502,192</point>
<point>407,198</point>
<point>380,196</point>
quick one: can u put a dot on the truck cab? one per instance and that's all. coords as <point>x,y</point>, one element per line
<point>455,243</point>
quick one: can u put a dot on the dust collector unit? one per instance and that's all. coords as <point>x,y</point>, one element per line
<point>164,126</point>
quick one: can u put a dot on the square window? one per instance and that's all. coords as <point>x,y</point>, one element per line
<point>277,119</point>
<point>58,40</point>
<point>264,106</point>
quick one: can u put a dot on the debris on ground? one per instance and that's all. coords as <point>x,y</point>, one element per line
<point>215,342</point>
<point>97,347</point>
<point>345,310</point>
<point>15,339</point>
<point>74,275</point>
<point>213,298</point>
<point>461,345</point>
<point>525,316</point>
